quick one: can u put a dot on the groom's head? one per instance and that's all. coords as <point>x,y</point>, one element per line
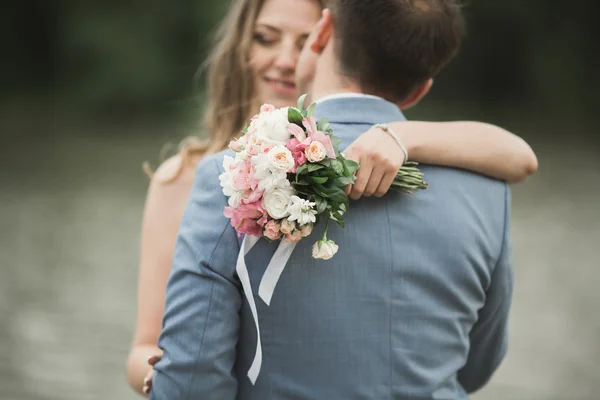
<point>389,48</point>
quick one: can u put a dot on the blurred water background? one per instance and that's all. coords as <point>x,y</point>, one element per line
<point>90,90</point>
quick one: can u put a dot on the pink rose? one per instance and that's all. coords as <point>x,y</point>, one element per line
<point>297,148</point>
<point>247,219</point>
<point>272,230</point>
<point>267,108</point>
<point>293,237</point>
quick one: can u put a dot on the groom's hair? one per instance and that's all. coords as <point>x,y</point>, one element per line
<point>390,47</point>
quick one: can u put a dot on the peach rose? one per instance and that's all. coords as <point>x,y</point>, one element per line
<point>306,230</point>
<point>315,152</point>
<point>287,227</point>
<point>293,237</point>
<point>272,230</point>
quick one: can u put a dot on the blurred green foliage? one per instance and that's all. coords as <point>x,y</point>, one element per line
<point>112,56</point>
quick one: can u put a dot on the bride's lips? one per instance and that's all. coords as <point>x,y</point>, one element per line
<point>281,86</point>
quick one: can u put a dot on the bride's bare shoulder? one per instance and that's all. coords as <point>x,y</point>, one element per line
<point>171,185</point>
<point>177,170</point>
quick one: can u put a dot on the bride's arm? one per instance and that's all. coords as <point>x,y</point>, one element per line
<point>475,146</point>
<point>164,207</point>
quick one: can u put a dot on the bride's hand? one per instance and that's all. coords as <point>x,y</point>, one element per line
<point>148,379</point>
<point>380,159</point>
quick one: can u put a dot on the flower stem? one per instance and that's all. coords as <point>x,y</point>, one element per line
<point>324,238</point>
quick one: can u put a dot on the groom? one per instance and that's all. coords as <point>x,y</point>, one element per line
<point>414,305</point>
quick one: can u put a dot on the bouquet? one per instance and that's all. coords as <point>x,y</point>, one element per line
<point>288,174</point>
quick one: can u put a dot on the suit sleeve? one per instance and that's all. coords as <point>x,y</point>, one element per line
<point>489,336</point>
<point>201,321</point>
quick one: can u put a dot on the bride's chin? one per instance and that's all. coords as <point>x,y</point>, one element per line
<point>283,102</point>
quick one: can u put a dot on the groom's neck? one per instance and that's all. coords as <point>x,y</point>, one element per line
<point>328,80</point>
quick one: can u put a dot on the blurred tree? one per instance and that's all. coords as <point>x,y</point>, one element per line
<point>122,56</point>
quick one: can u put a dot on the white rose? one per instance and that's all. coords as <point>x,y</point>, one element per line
<point>302,211</point>
<point>272,125</point>
<point>277,202</point>
<point>324,249</point>
<point>315,152</point>
<point>280,158</point>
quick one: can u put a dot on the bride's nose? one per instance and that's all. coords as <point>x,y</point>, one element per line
<point>287,56</point>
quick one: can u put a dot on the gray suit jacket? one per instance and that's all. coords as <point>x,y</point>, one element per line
<point>414,305</point>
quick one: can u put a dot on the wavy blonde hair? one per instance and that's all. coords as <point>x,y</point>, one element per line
<point>229,83</point>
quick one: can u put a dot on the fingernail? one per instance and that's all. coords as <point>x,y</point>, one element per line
<point>146,390</point>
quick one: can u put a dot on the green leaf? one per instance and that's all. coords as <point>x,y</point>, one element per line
<point>335,141</point>
<point>321,204</point>
<point>321,191</point>
<point>352,166</point>
<point>326,163</point>
<point>295,116</point>
<point>337,219</point>
<point>323,124</point>
<point>301,170</point>
<point>347,180</point>
<point>337,195</point>
<point>315,167</point>
<point>319,180</point>
<point>301,100</point>
<point>337,166</point>
<point>311,110</point>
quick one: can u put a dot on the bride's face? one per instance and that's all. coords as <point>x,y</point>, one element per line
<point>280,33</point>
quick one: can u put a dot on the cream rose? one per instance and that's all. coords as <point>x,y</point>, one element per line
<point>324,249</point>
<point>293,237</point>
<point>280,158</point>
<point>287,226</point>
<point>306,230</point>
<point>277,202</point>
<point>315,152</point>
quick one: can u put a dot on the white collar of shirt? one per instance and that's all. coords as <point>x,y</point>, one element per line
<point>346,96</point>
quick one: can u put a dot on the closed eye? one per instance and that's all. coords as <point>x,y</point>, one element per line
<point>262,39</point>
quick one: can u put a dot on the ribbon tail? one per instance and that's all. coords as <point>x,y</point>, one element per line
<point>274,270</point>
<point>242,271</point>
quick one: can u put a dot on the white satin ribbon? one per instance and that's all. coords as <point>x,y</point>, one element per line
<point>265,290</point>
<point>274,270</point>
<point>242,271</point>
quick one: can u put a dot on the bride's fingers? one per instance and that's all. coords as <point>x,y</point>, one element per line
<point>363,176</point>
<point>375,179</point>
<point>153,359</point>
<point>385,184</point>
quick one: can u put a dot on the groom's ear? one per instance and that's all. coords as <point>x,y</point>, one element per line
<point>324,32</point>
<point>416,95</point>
